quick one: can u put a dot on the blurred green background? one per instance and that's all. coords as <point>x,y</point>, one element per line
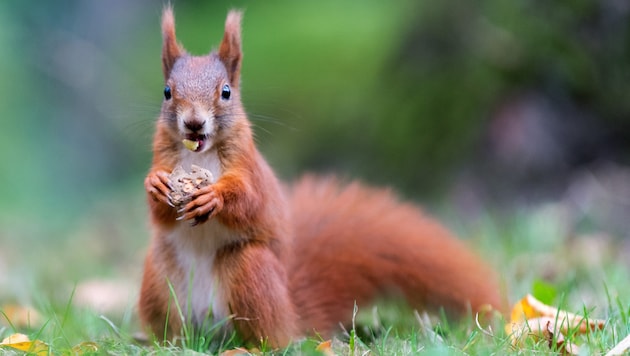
<point>468,107</point>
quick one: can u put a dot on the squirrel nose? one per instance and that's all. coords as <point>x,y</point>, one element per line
<point>194,125</point>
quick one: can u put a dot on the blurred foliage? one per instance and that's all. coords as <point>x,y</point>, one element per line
<point>403,94</point>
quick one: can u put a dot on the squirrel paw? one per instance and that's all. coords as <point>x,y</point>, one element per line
<point>205,203</point>
<point>157,185</point>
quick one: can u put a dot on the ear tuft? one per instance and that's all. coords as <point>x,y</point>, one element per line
<point>230,51</point>
<point>171,50</point>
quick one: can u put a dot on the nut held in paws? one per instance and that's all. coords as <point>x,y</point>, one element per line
<point>184,184</point>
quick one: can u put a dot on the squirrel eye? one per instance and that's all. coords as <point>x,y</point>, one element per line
<point>225,92</point>
<point>167,92</point>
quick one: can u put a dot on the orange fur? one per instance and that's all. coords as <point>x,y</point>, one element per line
<point>356,243</point>
<point>280,263</point>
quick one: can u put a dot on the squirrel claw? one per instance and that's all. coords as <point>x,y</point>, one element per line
<point>199,220</point>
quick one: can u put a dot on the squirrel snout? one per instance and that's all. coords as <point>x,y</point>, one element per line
<point>194,125</point>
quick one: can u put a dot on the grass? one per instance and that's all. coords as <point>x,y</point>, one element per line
<point>536,251</point>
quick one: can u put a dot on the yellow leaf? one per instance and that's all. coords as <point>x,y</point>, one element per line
<point>84,347</point>
<point>21,342</point>
<point>521,311</point>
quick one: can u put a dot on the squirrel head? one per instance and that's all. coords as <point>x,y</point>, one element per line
<point>201,93</point>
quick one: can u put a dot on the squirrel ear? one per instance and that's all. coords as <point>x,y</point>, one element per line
<point>230,50</point>
<point>171,50</point>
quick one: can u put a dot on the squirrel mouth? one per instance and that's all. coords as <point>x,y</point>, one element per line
<point>194,142</point>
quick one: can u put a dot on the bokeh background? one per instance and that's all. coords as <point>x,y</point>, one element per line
<point>475,109</point>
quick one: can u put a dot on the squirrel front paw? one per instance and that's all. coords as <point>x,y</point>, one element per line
<point>157,184</point>
<point>206,202</point>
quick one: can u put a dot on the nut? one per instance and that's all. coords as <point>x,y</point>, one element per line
<point>184,184</point>
<point>190,144</point>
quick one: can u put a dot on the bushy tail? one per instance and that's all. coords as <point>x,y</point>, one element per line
<point>354,243</point>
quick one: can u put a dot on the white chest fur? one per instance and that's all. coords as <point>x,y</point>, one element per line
<point>198,288</point>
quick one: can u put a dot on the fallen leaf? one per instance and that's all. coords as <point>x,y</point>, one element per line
<point>621,348</point>
<point>325,347</point>
<point>22,342</point>
<point>530,307</point>
<point>530,318</point>
<point>541,329</point>
<point>85,347</point>
<point>15,338</point>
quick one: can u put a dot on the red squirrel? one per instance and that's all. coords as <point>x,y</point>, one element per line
<point>277,262</point>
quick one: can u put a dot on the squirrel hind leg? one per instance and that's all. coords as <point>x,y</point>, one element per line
<point>257,296</point>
